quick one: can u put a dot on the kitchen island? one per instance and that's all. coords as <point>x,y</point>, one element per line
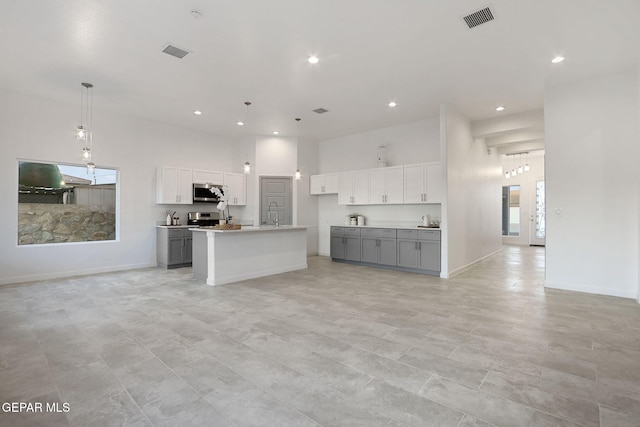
<point>227,256</point>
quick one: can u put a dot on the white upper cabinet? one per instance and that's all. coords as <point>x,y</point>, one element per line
<point>423,183</point>
<point>323,184</point>
<point>386,185</point>
<point>208,177</point>
<point>353,188</point>
<point>174,186</point>
<point>237,187</point>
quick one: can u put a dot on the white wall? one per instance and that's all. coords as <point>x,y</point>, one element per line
<point>38,129</point>
<point>592,146</point>
<point>410,143</point>
<point>527,183</point>
<point>471,212</point>
<point>415,142</point>
<point>308,204</point>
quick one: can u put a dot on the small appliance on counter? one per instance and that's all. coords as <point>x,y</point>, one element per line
<point>203,219</point>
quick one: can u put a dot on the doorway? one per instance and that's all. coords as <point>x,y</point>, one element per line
<point>275,200</point>
<point>537,220</point>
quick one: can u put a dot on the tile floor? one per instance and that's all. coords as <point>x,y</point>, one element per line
<point>335,344</point>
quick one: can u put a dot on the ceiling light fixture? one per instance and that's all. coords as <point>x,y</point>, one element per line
<point>392,104</point>
<point>246,119</point>
<point>500,108</point>
<point>197,113</point>
<point>246,168</point>
<point>313,59</point>
<point>297,174</point>
<point>558,59</point>
<point>84,131</point>
<point>275,132</point>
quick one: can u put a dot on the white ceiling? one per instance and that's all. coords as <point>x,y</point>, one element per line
<point>416,52</point>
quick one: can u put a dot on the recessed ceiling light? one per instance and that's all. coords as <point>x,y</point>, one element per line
<point>392,104</point>
<point>240,123</point>
<point>500,108</point>
<point>557,59</point>
<point>313,59</point>
<point>275,132</point>
<point>197,112</point>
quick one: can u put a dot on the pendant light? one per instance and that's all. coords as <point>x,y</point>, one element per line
<point>84,131</point>
<point>297,174</point>
<point>520,168</point>
<point>246,168</point>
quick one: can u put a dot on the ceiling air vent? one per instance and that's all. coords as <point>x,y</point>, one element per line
<point>176,51</point>
<point>479,17</point>
<point>320,110</point>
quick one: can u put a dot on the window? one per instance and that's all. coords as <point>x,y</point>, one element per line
<point>511,210</point>
<point>59,203</point>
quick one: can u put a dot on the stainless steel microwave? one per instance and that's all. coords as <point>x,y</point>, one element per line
<point>204,193</point>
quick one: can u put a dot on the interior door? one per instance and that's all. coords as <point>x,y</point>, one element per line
<point>537,220</point>
<point>275,199</point>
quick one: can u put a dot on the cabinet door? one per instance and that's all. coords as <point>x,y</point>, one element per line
<point>337,247</point>
<point>241,190</point>
<point>408,253</point>
<point>185,186</point>
<point>395,185</point>
<point>377,186</point>
<point>414,184</point>
<point>434,183</point>
<point>429,255</point>
<point>330,183</point>
<point>208,177</point>
<point>370,250</point>
<point>361,187</point>
<point>188,248</point>
<point>345,188</point>
<point>387,251</point>
<point>167,180</point>
<point>237,188</point>
<point>176,255</point>
<point>316,184</point>
<point>352,249</point>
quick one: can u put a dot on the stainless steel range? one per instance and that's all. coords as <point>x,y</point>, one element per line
<point>203,219</point>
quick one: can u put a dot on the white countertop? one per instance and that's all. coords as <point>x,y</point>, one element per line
<point>253,229</point>
<point>174,226</point>
<point>397,227</point>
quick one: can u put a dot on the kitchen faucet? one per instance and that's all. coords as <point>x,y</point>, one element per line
<point>276,222</point>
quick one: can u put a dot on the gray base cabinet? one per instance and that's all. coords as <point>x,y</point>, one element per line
<point>345,243</point>
<point>379,245</point>
<point>419,249</point>
<point>412,250</point>
<point>174,247</point>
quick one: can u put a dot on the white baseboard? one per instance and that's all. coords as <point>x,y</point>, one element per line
<point>72,273</point>
<point>576,287</point>
<point>464,268</point>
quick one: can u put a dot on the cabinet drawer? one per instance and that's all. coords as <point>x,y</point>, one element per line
<point>178,232</point>
<point>407,234</point>
<point>389,233</point>
<point>337,231</point>
<point>351,232</point>
<point>429,235</point>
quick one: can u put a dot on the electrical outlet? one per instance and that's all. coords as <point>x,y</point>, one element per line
<point>558,211</point>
